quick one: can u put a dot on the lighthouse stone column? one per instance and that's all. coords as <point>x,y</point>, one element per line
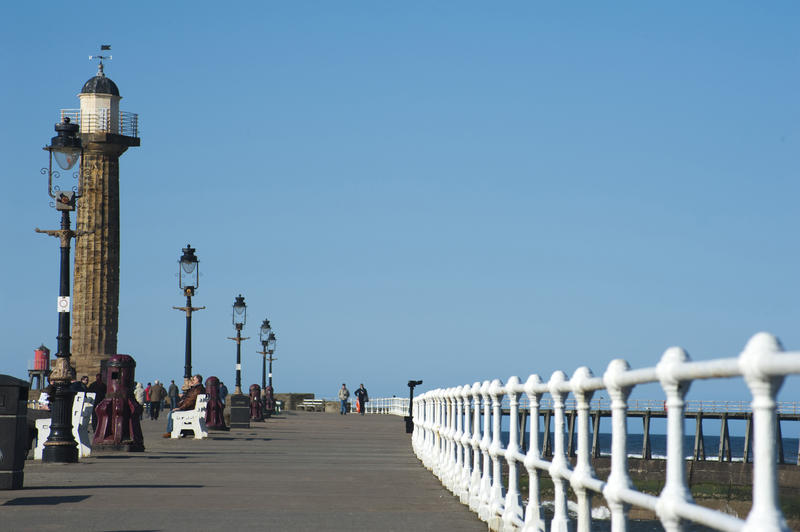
<point>97,260</point>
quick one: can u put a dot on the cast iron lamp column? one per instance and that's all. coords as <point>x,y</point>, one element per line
<point>60,445</point>
<point>188,281</point>
<point>271,350</point>
<point>239,403</point>
<point>263,334</point>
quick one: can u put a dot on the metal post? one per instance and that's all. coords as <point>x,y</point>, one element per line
<point>187,367</point>
<point>270,369</point>
<point>238,359</point>
<point>239,403</point>
<point>60,445</point>
<point>264,368</point>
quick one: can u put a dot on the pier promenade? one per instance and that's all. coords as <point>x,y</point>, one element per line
<point>299,471</point>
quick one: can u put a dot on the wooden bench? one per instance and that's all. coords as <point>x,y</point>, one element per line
<point>82,407</point>
<point>194,420</point>
<point>312,405</point>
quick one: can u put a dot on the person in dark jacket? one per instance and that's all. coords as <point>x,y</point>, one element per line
<point>188,401</point>
<point>223,392</point>
<point>79,386</point>
<point>98,388</point>
<point>157,394</point>
<point>361,398</point>
<point>174,394</point>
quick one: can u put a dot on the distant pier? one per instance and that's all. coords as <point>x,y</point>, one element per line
<point>646,410</point>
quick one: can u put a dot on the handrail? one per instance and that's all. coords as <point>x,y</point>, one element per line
<point>397,406</point>
<point>457,435</point>
<point>125,124</point>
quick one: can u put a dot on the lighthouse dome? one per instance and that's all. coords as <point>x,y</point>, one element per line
<point>100,84</point>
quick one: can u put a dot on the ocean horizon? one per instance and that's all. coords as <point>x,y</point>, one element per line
<point>658,446</point>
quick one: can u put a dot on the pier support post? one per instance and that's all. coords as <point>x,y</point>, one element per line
<point>596,434</point>
<point>571,435</point>
<point>547,450</point>
<point>724,440</point>
<point>699,444</point>
<point>646,450</point>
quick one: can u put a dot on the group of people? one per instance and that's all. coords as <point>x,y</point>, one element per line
<point>362,397</point>
<point>154,397</point>
<point>98,387</point>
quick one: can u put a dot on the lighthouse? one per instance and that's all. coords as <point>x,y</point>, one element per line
<point>106,133</point>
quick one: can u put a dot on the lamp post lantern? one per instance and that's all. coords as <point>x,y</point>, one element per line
<point>66,149</point>
<point>239,320</point>
<point>188,281</point>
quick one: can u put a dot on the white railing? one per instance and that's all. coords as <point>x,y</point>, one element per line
<point>468,455</point>
<point>100,122</point>
<point>397,406</point>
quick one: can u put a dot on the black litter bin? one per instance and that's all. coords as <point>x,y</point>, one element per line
<point>13,431</point>
<point>240,411</point>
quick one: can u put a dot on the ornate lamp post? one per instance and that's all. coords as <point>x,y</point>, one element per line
<point>66,148</point>
<point>239,319</point>
<point>268,340</point>
<point>263,334</point>
<point>240,404</point>
<point>188,281</point>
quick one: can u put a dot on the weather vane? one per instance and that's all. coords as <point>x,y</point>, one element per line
<point>103,48</point>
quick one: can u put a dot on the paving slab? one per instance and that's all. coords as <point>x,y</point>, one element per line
<point>298,471</point>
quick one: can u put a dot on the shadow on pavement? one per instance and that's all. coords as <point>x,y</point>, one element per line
<point>111,486</point>
<point>39,501</point>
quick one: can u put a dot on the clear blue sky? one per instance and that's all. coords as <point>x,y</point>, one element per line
<point>448,191</point>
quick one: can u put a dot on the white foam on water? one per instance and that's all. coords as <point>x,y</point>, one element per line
<point>601,513</point>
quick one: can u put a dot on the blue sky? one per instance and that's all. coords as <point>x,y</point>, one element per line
<point>449,192</point>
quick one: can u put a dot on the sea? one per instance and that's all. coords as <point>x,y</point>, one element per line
<point>658,446</point>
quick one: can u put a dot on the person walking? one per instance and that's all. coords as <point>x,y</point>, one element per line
<point>147,399</point>
<point>79,385</point>
<point>138,394</point>
<point>344,395</point>
<point>223,392</point>
<point>173,395</point>
<point>361,399</point>
<point>157,394</point>
<point>98,388</point>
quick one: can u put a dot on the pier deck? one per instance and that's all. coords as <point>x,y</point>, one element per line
<point>301,471</point>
